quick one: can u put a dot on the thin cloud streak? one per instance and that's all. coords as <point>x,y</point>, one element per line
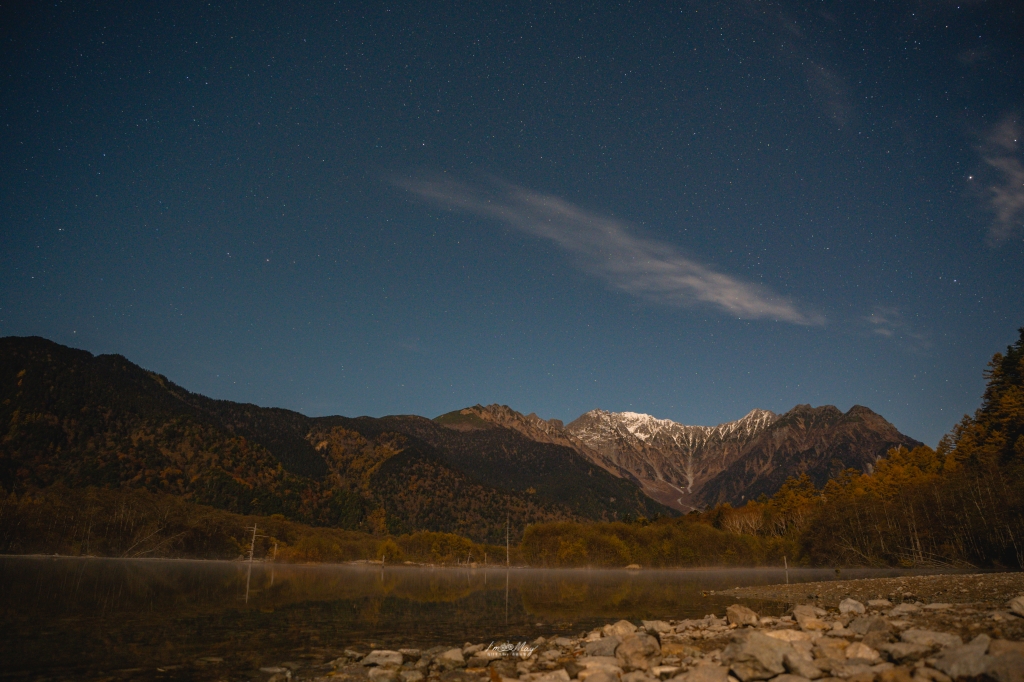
<point>642,267</point>
<point>890,323</point>
<point>1006,196</point>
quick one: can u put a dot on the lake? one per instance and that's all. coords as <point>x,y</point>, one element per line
<point>76,618</point>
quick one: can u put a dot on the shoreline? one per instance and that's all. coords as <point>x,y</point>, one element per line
<point>825,635</point>
<point>908,572</point>
<point>908,628</point>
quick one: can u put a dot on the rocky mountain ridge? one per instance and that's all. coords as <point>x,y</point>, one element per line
<point>688,467</point>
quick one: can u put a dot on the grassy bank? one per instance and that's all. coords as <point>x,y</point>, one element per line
<point>139,523</point>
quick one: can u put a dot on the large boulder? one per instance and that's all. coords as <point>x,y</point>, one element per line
<point>755,656</point>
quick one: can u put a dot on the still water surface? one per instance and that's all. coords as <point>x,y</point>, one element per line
<point>81,618</point>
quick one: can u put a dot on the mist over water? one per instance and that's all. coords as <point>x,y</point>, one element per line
<point>83,617</point>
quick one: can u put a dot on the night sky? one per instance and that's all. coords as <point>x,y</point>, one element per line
<point>686,209</point>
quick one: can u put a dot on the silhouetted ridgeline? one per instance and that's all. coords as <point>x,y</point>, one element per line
<point>68,417</point>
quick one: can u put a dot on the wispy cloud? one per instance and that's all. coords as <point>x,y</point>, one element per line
<point>830,92</point>
<point>606,247</point>
<point>1005,196</point>
<point>892,324</point>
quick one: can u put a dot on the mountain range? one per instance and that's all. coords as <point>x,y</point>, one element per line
<point>68,417</point>
<point>691,467</point>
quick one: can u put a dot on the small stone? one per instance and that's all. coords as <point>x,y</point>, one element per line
<point>704,672</point>
<point>862,651</point>
<point>459,676</point>
<point>930,638</point>
<point>895,675</point>
<point>866,624</point>
<point>410,675</point>
<point>599,676</point>
<point>271,669</point>
<point>937,606</point>
<point>903,610</point>
<point>755,656</point>
<point>638,652</point>
<point>656,626</point>
<point>1016,606</point>
<point>377,674</point>
<point>801,665</point>
<point>791,635</point>
<point>676,648</point>
<point>968,660</point>
<point>637,676</point>
<point>620,629</point>
<point>452,658</point>
<point>603,647</point>
<point>905,652</point>
<point>879,603</point>
<point>665,671</point>
<point>1007,667</point>
<point>998,647</point>
<point>790,678</point>
<point>851,606</point>
<point>930,674</point>
<point>546,676</point>
<point>829,648</point>
<point>383,657</point>
<point>737,614</point>
<point>854,671</point>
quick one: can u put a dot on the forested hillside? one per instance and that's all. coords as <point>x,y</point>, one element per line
<point>961,504</point>
<point>74,419</point>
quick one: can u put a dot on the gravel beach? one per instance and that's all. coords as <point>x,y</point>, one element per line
<point>935,628</point>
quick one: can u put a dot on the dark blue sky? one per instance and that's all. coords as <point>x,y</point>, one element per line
<point>686,209</point>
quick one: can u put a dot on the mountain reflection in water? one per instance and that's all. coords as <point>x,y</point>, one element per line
<point>70,617</point>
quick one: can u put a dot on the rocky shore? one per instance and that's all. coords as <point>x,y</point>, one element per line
<point>880,630</point>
